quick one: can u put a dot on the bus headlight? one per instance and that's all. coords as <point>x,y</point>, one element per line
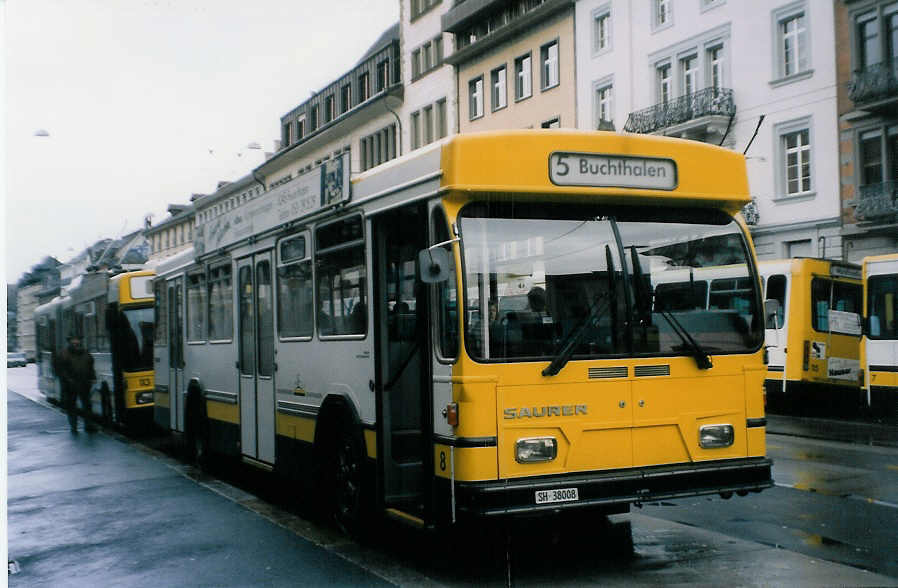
<point>144,397</point>
<point>535,449</point>
<point>715,436</point>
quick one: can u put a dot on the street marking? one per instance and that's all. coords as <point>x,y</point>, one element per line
<point>806,488</point>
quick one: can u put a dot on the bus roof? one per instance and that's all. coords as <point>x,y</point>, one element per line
<point>617,165</point>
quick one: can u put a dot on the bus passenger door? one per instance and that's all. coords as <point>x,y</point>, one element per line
<point>403,367</point>
<point>176,353</point>
<point>256,357</point>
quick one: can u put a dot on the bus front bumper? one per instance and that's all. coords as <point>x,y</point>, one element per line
<point>613,490</point>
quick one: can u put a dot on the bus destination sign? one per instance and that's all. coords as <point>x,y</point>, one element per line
<point>612,171</point>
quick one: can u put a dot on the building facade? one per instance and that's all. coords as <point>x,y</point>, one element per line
<point>514,61</point>
<point>757,77</point>
<point>867,72</point>
<point>430,107</point>
<point>174,234</point>
<point>357,113</point>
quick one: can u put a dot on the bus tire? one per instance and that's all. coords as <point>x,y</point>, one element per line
<point>345,476</point>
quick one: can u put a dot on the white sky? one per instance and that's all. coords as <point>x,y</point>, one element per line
<point>135,93</point>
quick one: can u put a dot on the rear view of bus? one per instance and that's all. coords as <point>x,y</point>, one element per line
<point>579,382</point>
<point>879,345</point>
<point>129,322</point>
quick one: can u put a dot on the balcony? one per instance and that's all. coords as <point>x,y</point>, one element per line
<point>699,115</point>
<point>875,87</point>
<point>877,202</point>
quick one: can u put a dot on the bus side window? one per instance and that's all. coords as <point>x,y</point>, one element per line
<point>776,290</point>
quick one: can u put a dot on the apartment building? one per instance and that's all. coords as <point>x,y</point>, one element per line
<point>867,71</point>
<point>174,233</point>
<point>756,76</point>
<point>514,63</point>
<point>357,113</point>
<point>431,96</point>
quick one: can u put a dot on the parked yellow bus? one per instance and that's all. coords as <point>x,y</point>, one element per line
<point>813,365</point>
<point>879,345</point>
<point>468,332</point>
<point>113,316</point>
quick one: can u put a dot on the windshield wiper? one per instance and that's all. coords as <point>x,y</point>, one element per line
<point>702,359</point>
<point>598,310</point>
<point>643,309</point>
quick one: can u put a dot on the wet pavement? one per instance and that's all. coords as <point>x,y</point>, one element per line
<point>845,431</point>
<point>93,510</point>
<point>101,509</point>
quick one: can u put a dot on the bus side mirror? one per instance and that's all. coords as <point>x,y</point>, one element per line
<point>433,265</point>
<point>771,314</point>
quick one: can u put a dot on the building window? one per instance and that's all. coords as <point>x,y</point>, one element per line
<point>522,75</point>
<point>286,137</point>
<point>689,71</point>
<point>313,117</point>
<point>345,98</point>
<point>427,124</point>
<point>878,154</point>
<point>382,81</point>
<point>792,50</point>
<point>378,147</point>
<point>797,148</point>
<point>715,67</point>
<point>301,127</point>
<point>549,60</point>
<point>662,73</point>
<point>552,123</point>
<point>601,31</point>
<point>442,124</point>
<point>419,7</point>
<point>364,87</point>
<point>416,64</point>
<point>661,14</point>
<point>499,86</point>
<point>415,129</point>
<point>475,98</point>
<point>794,151</point>
<point>877,36</point>
<point>604,105</point>
<point>329,110</point>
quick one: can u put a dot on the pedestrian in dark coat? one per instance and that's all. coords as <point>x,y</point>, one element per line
<point>75,368</point>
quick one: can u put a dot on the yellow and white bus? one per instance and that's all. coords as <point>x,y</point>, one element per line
<point>113,316</point>
<point>814,365</point>
<point>468,332</point>
<point>879,345</point>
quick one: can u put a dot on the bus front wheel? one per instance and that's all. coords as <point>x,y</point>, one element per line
<point>346,480</point>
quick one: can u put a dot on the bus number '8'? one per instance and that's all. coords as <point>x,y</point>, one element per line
<point>442,461</point>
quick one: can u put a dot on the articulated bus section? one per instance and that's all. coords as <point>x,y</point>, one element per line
<point>814,343</point>
<point>879,345</point>
<point>478,329</point>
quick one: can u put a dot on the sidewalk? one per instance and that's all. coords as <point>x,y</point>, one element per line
<point>92,510</point>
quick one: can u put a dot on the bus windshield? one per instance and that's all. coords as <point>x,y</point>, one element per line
<point>135,339</point>
<point>592,281</point>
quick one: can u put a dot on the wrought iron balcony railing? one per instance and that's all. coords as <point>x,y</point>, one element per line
<point>874,82</point>
<point>877,201</point>
<point>707,102</point>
